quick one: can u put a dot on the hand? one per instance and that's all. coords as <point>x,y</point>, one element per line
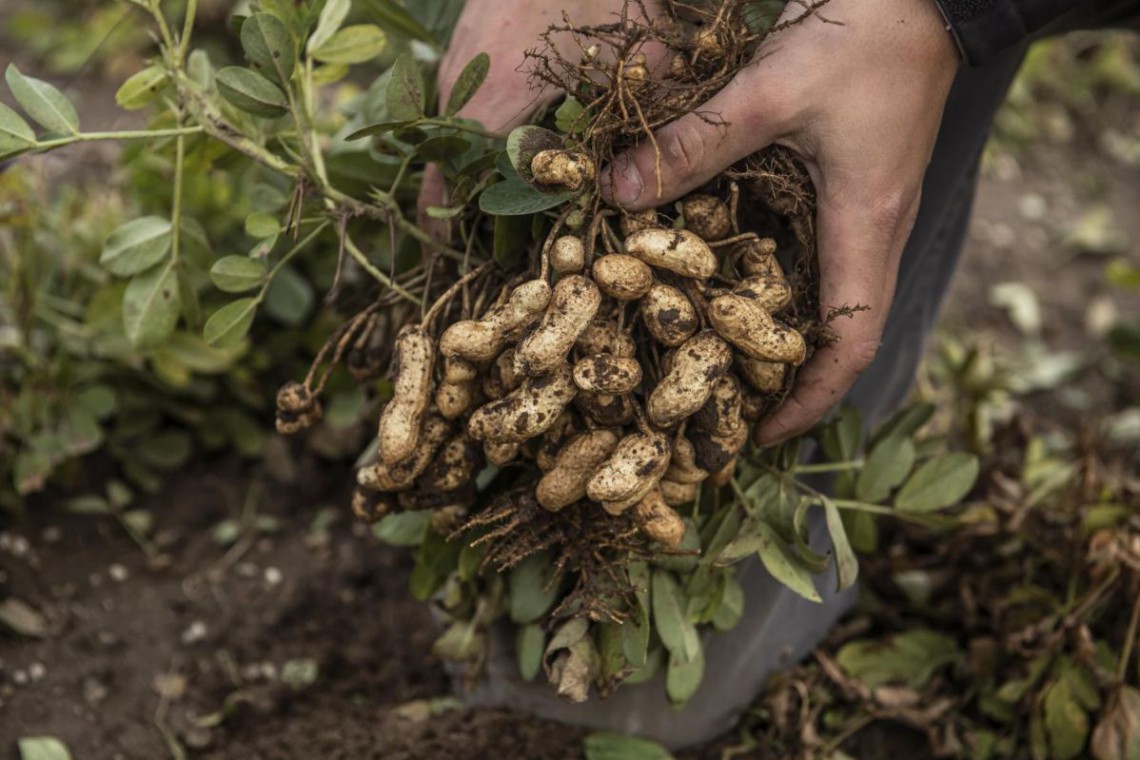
<point>861,104</point>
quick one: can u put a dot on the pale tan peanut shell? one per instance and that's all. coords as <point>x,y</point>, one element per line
<point>706,216</point>
<point>724,476</point>
<point>606,409</point>
<point>747,326</point>
<point>401,476</point>
<point>453,399</point>
<point>562,170</point>
<point>770,292</point>
<point>603,336</point>
<point>639,458</point>
<point>572,306</point>
<point>714,452</point>
<point>500,454</point>
<point>481,340</point>
<point>669,315</point>
<point>606,373</point>
<point>766,377</point>
<point>722,414</point>
<point>659,521</point>
<point>637,221</point>
<point>758,258</point>
<point>402,417</point>
<point>676,494</point>
<point>616,508</point>
<point>707,44</point>
<point>528,411</point>
<point>623,277</point>
<point>456,370</point>
<point>568,255</point>
<point>565,483</point>
<point>454,465</point>
<point>678,251</point>
<point>690,379</point>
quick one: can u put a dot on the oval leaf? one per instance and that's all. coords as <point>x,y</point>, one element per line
<point>523,143</point>
<point>673,626</point>
<point>136,246</point>
<point>142,88</point>
<point>530,643</point>
<point>513,197</point>
<point>15,133</point>
<point>938,483</point>
<point>846,563</point>
<point>682,678</point>
<point>353,44</point>
<point>42,748</point>
<point>269,46</point>
<point>784,566</point>
<point>44,103</point>
<point>468,83</point>
<point>443,147</point>
<point>249,91</point>
<point>332,16</point>
<point>237,274</point>
<point>151,305</point>
<point>606,745</point>
<point>531,593</point>
<point>405,93</point>
<point>229,324</point>
<point>887,466</point>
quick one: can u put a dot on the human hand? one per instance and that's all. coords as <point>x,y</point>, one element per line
<point>861,104</point>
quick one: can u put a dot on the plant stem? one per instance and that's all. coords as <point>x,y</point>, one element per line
<point>371,269</point>
<point>187,31</point>
<point>288,256</point>
<point>462,128</point>
<point>135,134</point>
<point>1129,641</point>
<point>829,467</point>
<point>176,206</point>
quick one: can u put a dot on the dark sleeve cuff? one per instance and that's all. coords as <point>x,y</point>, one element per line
<point>984,28</point>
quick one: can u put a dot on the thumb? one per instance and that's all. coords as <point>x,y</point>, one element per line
<point>690,151</point>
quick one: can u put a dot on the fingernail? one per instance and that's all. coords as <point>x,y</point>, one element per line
<point>622,182</point>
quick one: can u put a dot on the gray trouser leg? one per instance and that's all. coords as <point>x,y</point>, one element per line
<point>778,627</point>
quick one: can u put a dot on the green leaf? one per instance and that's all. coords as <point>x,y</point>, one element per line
<point>636,631</point>
<point>513,197</point>
<point>886,467</point>
<point>910,658</point>
<point>47,106</point>
<point>777,558</point>
<point>229,324</point>
<point>531,594</point>
<point>403,529</point>
<point>237,274</point>
<point>530,643</point>
<point>261,225</point>
<point>684,677</point>
<point>607,745</point>
<point>142,88</point>
<point>269,46</point>
<point>568,116</point>
<point>332,16</point>
<point>904,423</point>
<point>151,306</point>
<point>435,560</point>
<point>405,93</point>
<point>289,298</point>
<point>468,83</point>
<point>511,235</point>
<point>677,632</point>
<point>443,147</point>
<point>392,16</point>
<point>524,143</point>
<point>353,44</point>
<point>1066,724</point>
<point>846,563</point>
<point>380,128</point>
<point>136,246</point>
<point>731,607</point>
<point>938,483</point>
<point>15,134</point>
<point>42,748</point>
<point>249,91</point>
<point>168,450</point>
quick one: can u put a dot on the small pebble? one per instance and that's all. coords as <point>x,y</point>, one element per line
<point>196,632</point>
<point>36,671</point>
<point>273,576</point>
<point>118,573</point>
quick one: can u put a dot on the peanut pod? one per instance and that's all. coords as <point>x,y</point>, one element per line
<point>481,340</point>
<point>400,476</point>
<point>689,381</point>
<point>668,315</point>
<point>637,463</point>
<point>525,412</point>
<point>770,292</point>
<point>678,251</point>
<point>606,373</point>
<point>706,216</point>
<point>746,325</point>
<point>623,277</point>
<point>764,376</point>
<point>574,303</point>
<point>402,417</point>
<point>659,521</point>
<point>566,482</point>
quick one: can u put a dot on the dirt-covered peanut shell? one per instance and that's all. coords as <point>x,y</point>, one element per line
<point>290,423</point>
<point>456,370</point>
<point>565,483</point>
<point>707,45</point>
<point>546,453</point>
<point>606,409</point>
<point>639,461</point>
<point>401,476</point>
<point>501,377</point>
<point>480,340</point>
<point>668,315</point>
<point>722,414</point>
<point>622,277</point>
<point>770,292</point>
<point>402,417</point>
<point>706,216</point>
<point>568,255</point>
<point>678,251</point>
<point>556,170</point>
<point>686,386</point>
<point>454,399</point>
<point>766,377</point>
<point>455,465</point>
<point>753,404</point>
<point>757,258</point>
<point>528,411</point>
<point>724,476</point>
<point>500,454</point>
<point>659,521</point>
<point>572,306</point>
<point>603,336</point>
<point>371,506</point>
<point>637,221</point>
<point>606,373</point>
<point>294,398</point>
<point>677,494</point>
<point>714,452</point>
<point>746,325</point>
